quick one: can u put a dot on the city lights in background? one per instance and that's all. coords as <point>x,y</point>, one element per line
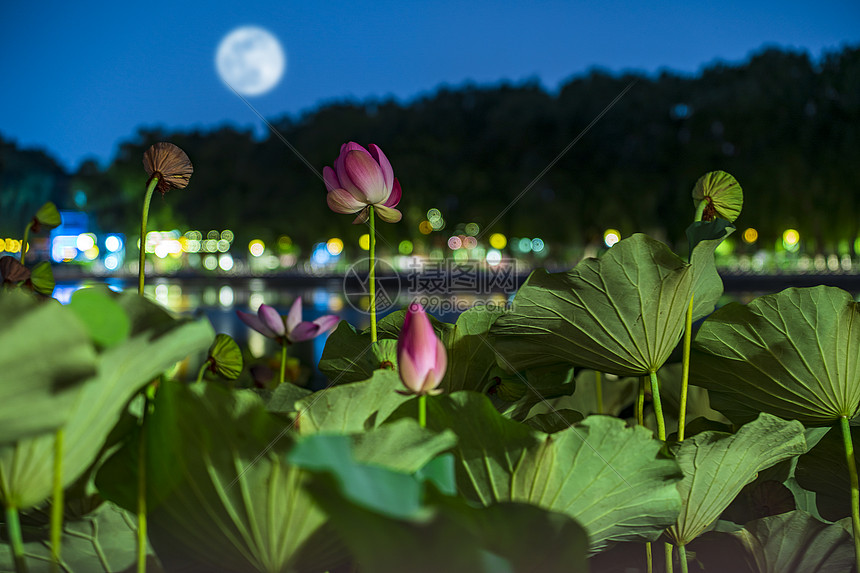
<point>750,236</point>
<point>611,236</point>
<point>335,246</point>
<point>364,242</point>
<point>256,248</point>
<point>791,240</point>
<point>498,241</point>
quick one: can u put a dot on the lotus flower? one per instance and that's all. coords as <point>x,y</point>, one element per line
<point>362,178</point>
<point>420,354</point>
<point>287,329</point>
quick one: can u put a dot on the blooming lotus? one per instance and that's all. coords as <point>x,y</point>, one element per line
<point>361,179</point>
<point>421,356</point>
<point>287,329</point>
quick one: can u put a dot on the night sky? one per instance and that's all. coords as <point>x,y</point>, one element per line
<point>80,77</point>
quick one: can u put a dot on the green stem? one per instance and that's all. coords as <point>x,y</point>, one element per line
<point>649,561</point>
<point>141,492</point>
<point>24,241</point>
<point>202,371</point>
<point>658,407</point>
<point>58,502</point>
<point>640,419</point>
<point>682,556</point>
<point>149,190</point>
<point>13,530</point>
<point>372,278</point>
<point>700,210</point>
<point>283,361</point>
<point>855,489</point>
<point>685,371</point>
<point>598,389</point>
<point>422,410</point>
<point>669,565</point>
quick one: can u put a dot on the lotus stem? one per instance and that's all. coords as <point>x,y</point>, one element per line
<point>640,419</point>
<point>669,564</point>
<point>58,501</point>
<point>658,407</point>
<point>682,555</point>
<point>855,489</point>
<point>24,240</point>
<point>202,371</point>
<point>372,278</point>
<point>141,492</point>
<point>422,410</point>
<point>13,530</point>
<point>153,182</point>
<point>700,210</point>
<point>685,371</point>
<point>598,389</point>
<point>649,560</point>
<point>283,362</point>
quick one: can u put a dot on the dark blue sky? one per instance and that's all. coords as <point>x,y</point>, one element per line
<point>81,76</point>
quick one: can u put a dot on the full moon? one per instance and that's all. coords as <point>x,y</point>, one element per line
<point>250,60</point>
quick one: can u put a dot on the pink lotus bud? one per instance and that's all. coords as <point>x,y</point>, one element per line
<point>361,178</point>
<point>420,354</point>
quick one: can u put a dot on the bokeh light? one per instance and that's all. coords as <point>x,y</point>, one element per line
<point>405,247</point>
<point>791,240</point>
<point>334,246</point>
<point>364,242</point>
<point>498,241</point>
<point>455,243</point>
<point>611,236</point>
<point>257,247</point>
<point>425,227</point>
<point>750,236</point>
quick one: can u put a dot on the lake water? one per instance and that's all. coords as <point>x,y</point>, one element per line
<point>218,300</point>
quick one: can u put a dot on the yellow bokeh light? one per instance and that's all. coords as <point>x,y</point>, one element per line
<point>425,227</point>
<point>257,247</point>
<point>498,241</point>
<point>750,236</point>
<point>611,236</point>
<point>364,242</point>
<point>791,237</point>
<point>335,246</point>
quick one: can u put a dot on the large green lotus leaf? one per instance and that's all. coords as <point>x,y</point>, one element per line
<point>516,394</point>
<point>623,313</point>
<point>402,533</point>
<point>608,477</point>
<point>45,354</point>
<point>350,356</point>
<point>102,541</point>
<point>283,399</point>
<point>796,542</point>
<point>401,445</point>
<point>221,495</point>
<point>155,343</point>
<point>718,465</point>
<point>793,354</point>
<point>351,408</point>
<point>824,470</point>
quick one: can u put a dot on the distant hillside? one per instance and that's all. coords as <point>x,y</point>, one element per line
<point>787,128</point>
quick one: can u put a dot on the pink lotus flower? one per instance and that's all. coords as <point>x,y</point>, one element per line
<point>287,329</point>
<point>361,179</point>
<point>421,356</point>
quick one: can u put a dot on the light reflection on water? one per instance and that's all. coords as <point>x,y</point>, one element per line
<point>219,301</point>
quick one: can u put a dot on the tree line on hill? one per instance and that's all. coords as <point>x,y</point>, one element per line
<point>787,127</point>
